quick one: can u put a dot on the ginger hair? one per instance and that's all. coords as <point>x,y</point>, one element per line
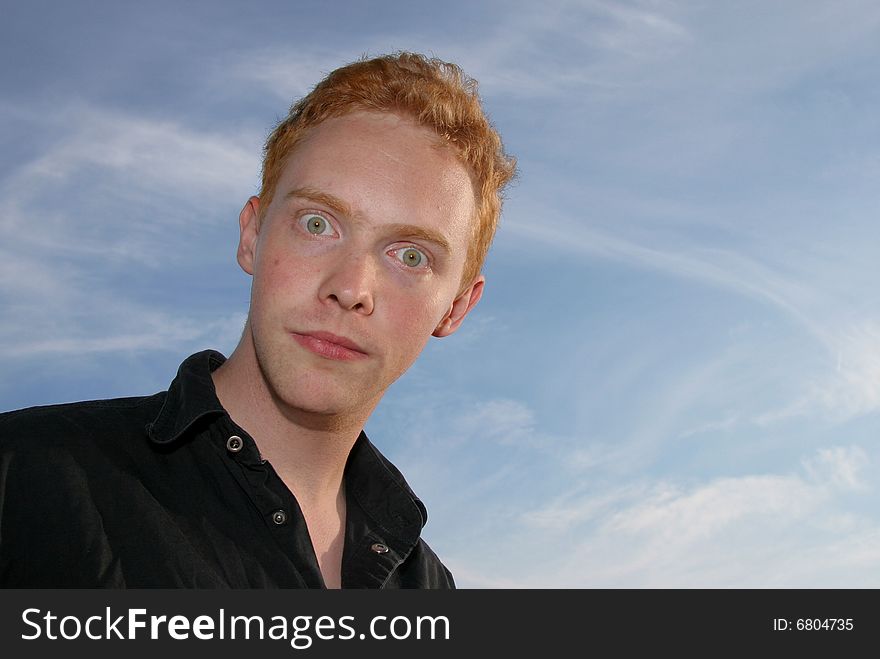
<point>434,93</point>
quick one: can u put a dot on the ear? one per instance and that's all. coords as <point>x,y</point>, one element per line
<point>461,306</point>
<point>248,223</point>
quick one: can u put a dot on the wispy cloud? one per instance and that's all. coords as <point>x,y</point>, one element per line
<point>519,55</point>
<point>750,530</point>
<point>525,54</point>
<point>115,189</point>
<point>135,161</point>
<point>802,287</point>
<point>839,467</point>
<point>287,72</point>
<point>849,388</point>
<point>147,330</point>
<point>727,269</point>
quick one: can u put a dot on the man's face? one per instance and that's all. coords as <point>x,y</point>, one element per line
<point>357,261</point>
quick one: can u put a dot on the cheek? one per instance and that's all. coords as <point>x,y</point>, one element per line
<point>276,270</point>
<point>412,319</point>
<point>277,280</point>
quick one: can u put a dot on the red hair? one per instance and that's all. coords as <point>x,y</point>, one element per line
<point>437,95</point>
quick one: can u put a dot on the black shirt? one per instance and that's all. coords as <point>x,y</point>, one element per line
<point>166,491</point>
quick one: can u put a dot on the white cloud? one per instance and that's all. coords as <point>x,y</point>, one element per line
<point>840,467</point>
<point>552,51</point>
<point>287,72</point>
<point>761,530</point>
<point>855,387</point>
<point>149,161</point>
<point>501,420</point>
<point>727,269</point>
<point>572,510</point>
<point>723,425</point>
<point>518,55</point>
<point>113,191</point>
<point>850,388</point>
<point>142,330</point>
<point>673,516</point>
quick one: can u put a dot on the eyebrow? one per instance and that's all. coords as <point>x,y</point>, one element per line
<point>330,201</point>
<point>339,206</point>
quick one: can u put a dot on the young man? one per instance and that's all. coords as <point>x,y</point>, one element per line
<point>380,196</point>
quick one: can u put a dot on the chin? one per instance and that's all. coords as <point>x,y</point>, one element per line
<point>322,399</point>
<point>323,417</point>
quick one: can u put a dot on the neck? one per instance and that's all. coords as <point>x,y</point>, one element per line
<point>307,450</point>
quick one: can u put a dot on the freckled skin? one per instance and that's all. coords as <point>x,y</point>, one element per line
<point>389,171</point>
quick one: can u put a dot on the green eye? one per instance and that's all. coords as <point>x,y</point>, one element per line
<point>411,257</point>
<point>316,224</point>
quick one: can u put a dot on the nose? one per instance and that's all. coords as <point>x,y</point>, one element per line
<point>349,281</point>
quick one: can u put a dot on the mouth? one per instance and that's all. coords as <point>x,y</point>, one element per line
<point>329,346</point>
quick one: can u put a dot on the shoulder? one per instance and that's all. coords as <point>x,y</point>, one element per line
<point>63,470</point>
<point>72,426</point>
<point>423,569</point>
<point>69,416</point>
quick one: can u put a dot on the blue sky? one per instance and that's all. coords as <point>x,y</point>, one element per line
<point>673,378</point>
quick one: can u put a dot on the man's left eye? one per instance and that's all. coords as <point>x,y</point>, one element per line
<point>411,257</point>
<point>317,224</point>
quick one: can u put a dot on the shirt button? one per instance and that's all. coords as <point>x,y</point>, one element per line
<point>279,517</point>
<point>379,548</point>
<point>234,444</point>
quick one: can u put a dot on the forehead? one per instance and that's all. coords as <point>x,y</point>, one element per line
<point>388,169</point>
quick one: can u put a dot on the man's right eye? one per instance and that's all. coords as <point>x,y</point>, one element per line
<point>317,225</point>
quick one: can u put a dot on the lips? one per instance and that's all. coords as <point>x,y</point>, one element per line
<point>330,346</point>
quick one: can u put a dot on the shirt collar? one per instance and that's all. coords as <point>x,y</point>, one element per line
<point>382,490</point>
<point>190,397</point>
